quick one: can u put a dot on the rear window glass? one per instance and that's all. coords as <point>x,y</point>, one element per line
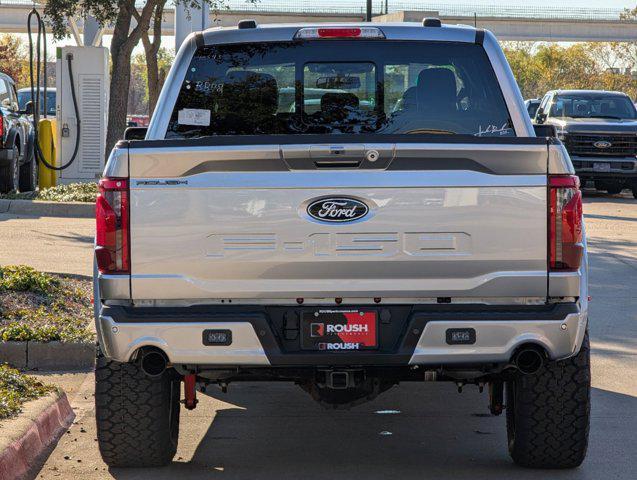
<point>338,87</point>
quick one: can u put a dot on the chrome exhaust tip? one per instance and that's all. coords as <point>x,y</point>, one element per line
<point>153,362</point>
<point>529,360</point>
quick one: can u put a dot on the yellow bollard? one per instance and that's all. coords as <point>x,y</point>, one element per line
<point>46,129</point>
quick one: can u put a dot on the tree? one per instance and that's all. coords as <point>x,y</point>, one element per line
<point>164,61</point>
<point>151,48</point>
<point>542,67</point>
<point>125,38</point>
<point>14,59</point>
<point>138,94</point>
<point>156,75</point>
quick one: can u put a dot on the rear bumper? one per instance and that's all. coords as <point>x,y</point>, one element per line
<point>619,168</point>
<point>417,338</point>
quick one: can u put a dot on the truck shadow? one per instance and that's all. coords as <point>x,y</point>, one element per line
<point>594,196</point>
<point>276,431</point>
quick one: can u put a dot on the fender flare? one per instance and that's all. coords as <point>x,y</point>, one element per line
<point>11,140</point>
<point>30,145</point>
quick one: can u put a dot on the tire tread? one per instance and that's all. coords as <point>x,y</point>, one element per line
<point>549,423</point>
<point>133,415</point>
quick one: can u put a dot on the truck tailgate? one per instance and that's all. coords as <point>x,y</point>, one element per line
<point>444,220</point>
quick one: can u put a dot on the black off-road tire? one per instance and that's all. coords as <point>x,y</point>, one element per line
<point>614,189</point>
<point>548,413</point>
<point>137,416</point>
<point>10,174</point>
<point>29,175</point>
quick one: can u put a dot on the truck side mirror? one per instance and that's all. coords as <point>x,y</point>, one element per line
<point>135,133</point>
<point>540,116</point>
<point>545,131</point>
<point>28,108</point>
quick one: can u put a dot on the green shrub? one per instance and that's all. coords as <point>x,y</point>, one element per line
<point>36,306</point>
<point>65,330</point>
<point>16,388</point>
<point>74,192</point>
<point>20,278</point>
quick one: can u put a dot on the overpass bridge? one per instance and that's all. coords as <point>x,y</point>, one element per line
<point>507,22</point>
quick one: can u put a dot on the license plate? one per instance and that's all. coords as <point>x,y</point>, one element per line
<point>601,167</point>
<point>338,330</point>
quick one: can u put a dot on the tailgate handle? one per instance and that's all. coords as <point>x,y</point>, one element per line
<point>337,163</point>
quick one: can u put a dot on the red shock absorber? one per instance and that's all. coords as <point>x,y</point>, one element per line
<point>190,391</point>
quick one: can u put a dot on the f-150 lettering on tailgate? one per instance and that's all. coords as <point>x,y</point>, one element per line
<point>342,244</point>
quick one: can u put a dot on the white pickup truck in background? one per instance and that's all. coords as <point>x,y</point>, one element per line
<point>346,207</point>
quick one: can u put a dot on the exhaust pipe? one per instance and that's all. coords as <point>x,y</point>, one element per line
<point>529,360</point>
<point>153,362</point>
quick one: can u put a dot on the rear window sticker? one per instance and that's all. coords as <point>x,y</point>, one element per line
<point>194,116</point>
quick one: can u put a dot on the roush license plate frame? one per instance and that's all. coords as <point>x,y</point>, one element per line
<point>339,330</point>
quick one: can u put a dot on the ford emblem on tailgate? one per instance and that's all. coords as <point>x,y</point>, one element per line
<point>337,209</point>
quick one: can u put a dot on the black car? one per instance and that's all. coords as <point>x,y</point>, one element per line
<point>599,130</point>
<point>18,167</point>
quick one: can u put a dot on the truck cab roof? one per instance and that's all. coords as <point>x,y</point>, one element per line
<point>585,91</point>
<point>391,31</point>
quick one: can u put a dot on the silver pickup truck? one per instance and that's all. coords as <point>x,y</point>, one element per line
<point>345,207</point>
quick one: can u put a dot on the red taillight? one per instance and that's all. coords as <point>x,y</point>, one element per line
<point>111,213</point>
<point>565,223</point>
<point>310,33</point>
<point>339,32</point>
<point>1,129</point>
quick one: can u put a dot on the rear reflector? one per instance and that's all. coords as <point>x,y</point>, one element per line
<point>565,223</point>
<point>338,32</point>
<point>111,237</point>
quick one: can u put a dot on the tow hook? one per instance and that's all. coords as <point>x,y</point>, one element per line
<point>190,391</point>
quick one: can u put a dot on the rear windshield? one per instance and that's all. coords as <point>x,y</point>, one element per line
<point>340,87</point>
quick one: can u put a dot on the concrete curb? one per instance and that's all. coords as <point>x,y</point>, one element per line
<point>14,353</point>
<point>39,208</point>
<point>47,355</point>
<point>26,439</point>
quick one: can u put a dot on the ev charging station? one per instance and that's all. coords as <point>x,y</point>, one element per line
<point>89,92</point>
<point>71,148</point>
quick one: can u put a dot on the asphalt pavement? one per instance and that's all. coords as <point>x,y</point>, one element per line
<point>50,244</point>
<point>414,431</point>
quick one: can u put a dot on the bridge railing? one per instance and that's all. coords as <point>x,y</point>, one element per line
<point>450,9</point>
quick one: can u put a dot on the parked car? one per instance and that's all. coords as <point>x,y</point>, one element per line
<point>24,96</point>
<point>599,130</point>
<point>531,106</point>
<point>137,120</point>
<point>18,167</point>
<point>343,249</point>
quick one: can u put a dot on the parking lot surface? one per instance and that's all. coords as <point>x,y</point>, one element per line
<point>50,244</point>
<point>419,431</point>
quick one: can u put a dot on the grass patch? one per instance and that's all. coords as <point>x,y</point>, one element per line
<point>44,307</point>
<point>74,192</point>
<point>17,388</point>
